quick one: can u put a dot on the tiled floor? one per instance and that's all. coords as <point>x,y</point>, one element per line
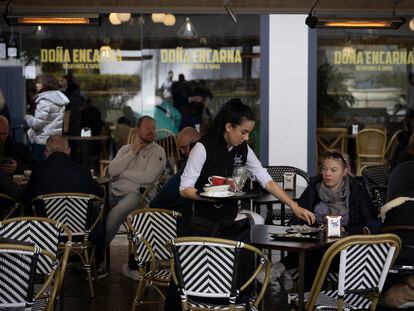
<point>116,291</point>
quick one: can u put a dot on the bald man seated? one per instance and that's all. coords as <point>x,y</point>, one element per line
<point>170,197</point>
<point>58,173</point>
<point>15,157</point>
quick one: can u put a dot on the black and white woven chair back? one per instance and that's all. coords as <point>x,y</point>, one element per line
<point>74,210</point>
<point>364,267</point>
<point>376,179</point>
<point>17,277</point>
<point>45,235</point>
<point>206,269</point>
<point>276,172</point>
<point>364,264</point>
<point>157,228</point>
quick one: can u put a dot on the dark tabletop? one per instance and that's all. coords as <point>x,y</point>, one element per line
<point>261,237</point>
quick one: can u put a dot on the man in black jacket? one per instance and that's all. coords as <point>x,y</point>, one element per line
<point>58,173</point>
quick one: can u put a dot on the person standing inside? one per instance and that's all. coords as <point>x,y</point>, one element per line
<point>75,106</point>
<point>166,86</point>
<point>135,166</point>
<point>410,96</point>
<point>48,114</point>
<point>4,108</point>
<point>15,156</point>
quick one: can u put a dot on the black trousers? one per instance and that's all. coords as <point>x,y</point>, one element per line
<point>232,230</point>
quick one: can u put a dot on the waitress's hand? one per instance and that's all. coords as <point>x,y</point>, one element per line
<point>304,214</point>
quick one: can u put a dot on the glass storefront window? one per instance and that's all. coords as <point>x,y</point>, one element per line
<point>123,69</point>
<point>363,77</point>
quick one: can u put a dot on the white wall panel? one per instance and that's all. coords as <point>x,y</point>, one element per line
<point>288,91</point>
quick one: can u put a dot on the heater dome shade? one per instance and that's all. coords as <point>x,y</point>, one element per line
<point>169,20</point>
<point>411,24</point>
<point>113,18</point>
<point>124,17</point>
<point>158,17</point>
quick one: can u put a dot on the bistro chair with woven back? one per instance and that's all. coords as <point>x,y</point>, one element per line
<point>9,206</point>
<point>397,216</point>
<point>47,234</point>
<point>81,213</point>
<point>206,271</point>
<point>150,230</point>
<point>364,262</point>
<point>370,148</point>
<point>277,174</point>
<point>167,139</point>
<point>391,149</point>
<point>19,263</point>
<point>330,139</point>
<point>376,180</point>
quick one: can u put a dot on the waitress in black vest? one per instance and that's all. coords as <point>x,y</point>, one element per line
<point>224,147</point>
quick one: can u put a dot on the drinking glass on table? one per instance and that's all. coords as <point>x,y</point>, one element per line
<point>239,177</point>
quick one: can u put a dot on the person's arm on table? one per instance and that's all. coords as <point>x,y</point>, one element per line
<point>260,173</point>
<point>299,212</point>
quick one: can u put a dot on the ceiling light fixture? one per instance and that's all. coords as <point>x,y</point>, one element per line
<point>411,24</point>
<point>227,6</point>
<point>124,17</point>
<point>187,30</point>
<point>41,32</point>
<point>158,17</point>
<point>169,20</point>
<point>105,49</point>
<point>113,19</point>
<point>354,22</point>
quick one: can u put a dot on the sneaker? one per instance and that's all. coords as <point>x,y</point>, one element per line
<point>130,273</point>
<point>100,274</point>
<point>275,273</point>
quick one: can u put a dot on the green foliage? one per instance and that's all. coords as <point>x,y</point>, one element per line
<point>388,79</point>
<point>333,93</point>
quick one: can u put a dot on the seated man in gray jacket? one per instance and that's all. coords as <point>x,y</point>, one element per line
<point>135,166</point>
